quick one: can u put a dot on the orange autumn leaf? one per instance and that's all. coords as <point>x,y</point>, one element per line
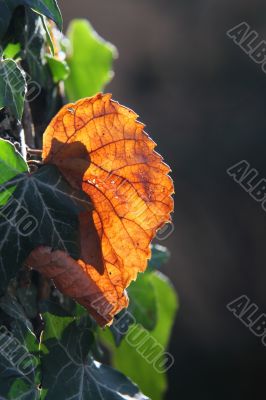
<point>100,147</point>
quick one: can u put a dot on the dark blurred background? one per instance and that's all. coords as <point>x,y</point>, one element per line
<point>203,101</point>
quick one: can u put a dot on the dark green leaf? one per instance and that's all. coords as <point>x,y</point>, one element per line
<point>28,299</point>
<point>69,371</point>
<point>12,87</point>
<point>32,42</point>
<point>49,8</point>
<point>27,29</point>
<point>19,363</point>
<point>62,306</point>
<point>90,61</point>
<point>43,210</point>
<point>13,309</point>
<point>11,165</point>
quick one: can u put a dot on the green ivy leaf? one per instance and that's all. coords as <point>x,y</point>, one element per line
<point>43,210</point>
<point>11,165</point>
<point>28,30</point>
<point>12,87</point>
<point>32,42</point>
<point>138,363</point>
<point>69,371</point>
<point>48,8</point>
<point>90,61</point>
<point>13,309</point>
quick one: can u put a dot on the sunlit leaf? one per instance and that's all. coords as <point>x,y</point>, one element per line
<point>142,307</point>
<point>143,302</point>
<point>90,61</point>
<point>11,50</point>
<point>101,148</point>
<point>150,381</point>
<point>59,69</point>
<point>11,165</point>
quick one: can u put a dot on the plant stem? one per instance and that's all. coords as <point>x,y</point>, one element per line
<point>23,143</point>
<point>28,126</point>
<point>34,151</point>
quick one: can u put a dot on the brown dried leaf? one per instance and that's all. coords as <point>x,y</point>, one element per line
<point>99,146</point>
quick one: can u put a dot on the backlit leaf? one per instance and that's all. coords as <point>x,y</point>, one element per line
<point>142,307</point>
<point>11,50</point>
<point>90,61</point>
<point>151,381</point>
<point>11,165</point>
<point>101,148</point>
<point>59,69</point>
<point>143,304</point>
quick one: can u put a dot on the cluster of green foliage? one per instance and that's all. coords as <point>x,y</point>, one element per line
<point>50,348</point>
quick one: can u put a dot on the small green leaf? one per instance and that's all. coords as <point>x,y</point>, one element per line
<point>90,61</point>
<point>59,69</point>
<point>11,165</point>
<point>140,357</point>
<point>69,371</point>
<point>12,87</point>
<point>12,50</point>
